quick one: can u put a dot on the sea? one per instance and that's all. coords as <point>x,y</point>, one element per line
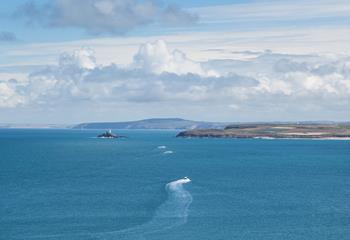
<point>150,185</point>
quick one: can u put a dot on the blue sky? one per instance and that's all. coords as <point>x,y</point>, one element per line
<point>245,60</point>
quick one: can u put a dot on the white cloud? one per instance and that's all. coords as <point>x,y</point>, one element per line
<point>8,96</point>
<point>157,58</point>
<point>65,80</point>
<point>281,84</point>
<point>201,47</point>
<point>83,58</point>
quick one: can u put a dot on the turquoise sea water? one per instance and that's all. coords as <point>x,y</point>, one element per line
<point>67,184</point>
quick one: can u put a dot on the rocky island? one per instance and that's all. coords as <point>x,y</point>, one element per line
<point>304,131</point>
<point>108,134</point>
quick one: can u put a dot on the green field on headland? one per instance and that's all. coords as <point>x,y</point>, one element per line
<point>274,131</point>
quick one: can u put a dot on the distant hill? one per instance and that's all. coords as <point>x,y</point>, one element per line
<point>154,123</point>
<point>32,126</point>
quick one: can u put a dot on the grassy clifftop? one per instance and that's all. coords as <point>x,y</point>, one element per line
<point>274,131</point>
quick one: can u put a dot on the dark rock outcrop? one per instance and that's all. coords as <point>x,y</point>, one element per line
<point>108,134</point>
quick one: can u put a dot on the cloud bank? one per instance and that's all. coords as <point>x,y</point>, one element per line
<point>103,16</point>
<point>278,84</point>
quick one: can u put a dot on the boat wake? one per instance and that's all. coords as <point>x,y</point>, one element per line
<point>168,152</point>
<point>172,213</point>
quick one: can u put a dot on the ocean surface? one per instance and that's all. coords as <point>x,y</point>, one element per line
<point>67,184</point>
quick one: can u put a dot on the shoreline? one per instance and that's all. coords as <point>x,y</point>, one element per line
<point>273,138</point>
<point>275,131</point>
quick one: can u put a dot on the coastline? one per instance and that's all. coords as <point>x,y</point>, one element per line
<point>275,131</point>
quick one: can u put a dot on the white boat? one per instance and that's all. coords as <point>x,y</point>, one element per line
<point>186,178</point>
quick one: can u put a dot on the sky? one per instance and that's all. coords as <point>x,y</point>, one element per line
<point>72,61</point>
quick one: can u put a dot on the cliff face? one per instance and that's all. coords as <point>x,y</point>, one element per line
<point>273,131</point>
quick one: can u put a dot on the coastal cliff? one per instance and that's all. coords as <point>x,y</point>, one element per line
<point>307,131</point>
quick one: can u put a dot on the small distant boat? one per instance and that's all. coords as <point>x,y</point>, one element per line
<point>186,178</point>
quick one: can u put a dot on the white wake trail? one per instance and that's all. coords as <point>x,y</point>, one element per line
<point>172,213</point>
